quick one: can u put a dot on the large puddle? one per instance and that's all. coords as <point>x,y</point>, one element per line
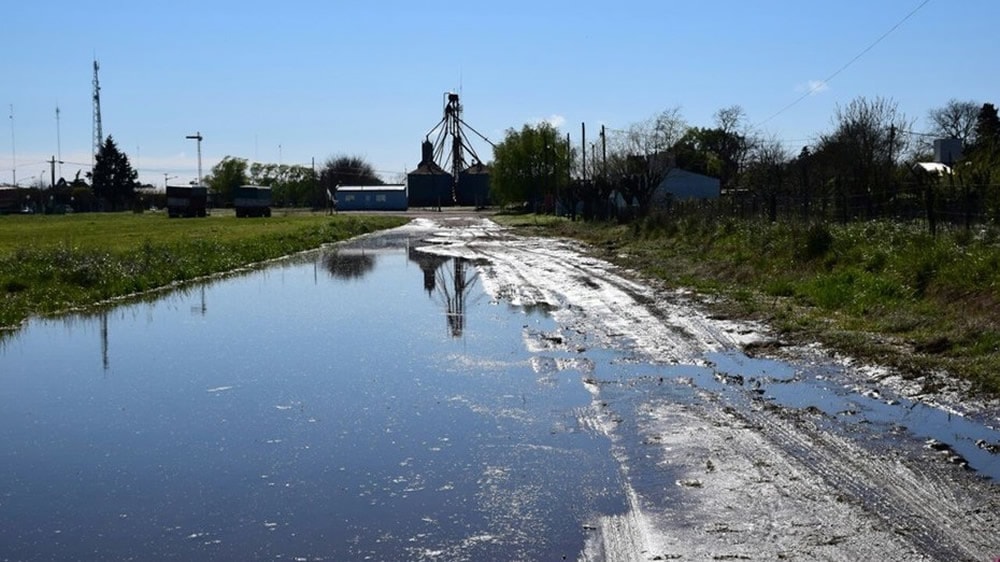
<point>364,403</point>
<point>368,401</point>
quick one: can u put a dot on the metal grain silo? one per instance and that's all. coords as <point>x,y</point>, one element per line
<point>429,185</point>
<point>474,186</point>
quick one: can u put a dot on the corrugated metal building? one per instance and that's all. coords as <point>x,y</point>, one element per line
<point>682,185</point>
<point>429,185</point>
<point>372,198</point>
<point>474,186</point>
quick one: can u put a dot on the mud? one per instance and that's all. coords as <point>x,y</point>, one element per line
<point>732,446</point>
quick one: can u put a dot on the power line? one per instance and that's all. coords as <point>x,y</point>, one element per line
<point>823,83</point>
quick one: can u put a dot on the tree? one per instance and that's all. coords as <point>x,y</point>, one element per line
<point>987,129</point>
<point>226,176</point>
<point>291,185</point>
<point>347,170</point>
<point>981,170</point>
<point>643,156</point>
<point>956,120</point>
<point>860,154</point>
<point>113,178</point>
<point>766,174</point>
<point>530,165</point>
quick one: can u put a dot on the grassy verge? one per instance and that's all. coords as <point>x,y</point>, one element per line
<point>53,263</point>
<point>881,291</point>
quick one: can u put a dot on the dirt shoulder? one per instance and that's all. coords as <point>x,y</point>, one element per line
<point>725,455</point>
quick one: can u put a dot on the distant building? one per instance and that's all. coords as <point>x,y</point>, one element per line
<point>682,185</point>
<point>474,186</point>
<point>947,151</point>
<point>429,185</point>
<point>372,198</point>
<point>935,168</point>
<point>10,198</point>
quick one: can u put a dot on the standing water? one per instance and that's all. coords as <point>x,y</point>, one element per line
<point>365,402</point>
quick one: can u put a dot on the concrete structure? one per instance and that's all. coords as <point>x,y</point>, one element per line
<point>372,198</point>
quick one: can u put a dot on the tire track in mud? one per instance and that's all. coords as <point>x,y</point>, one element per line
<point>940,512</point>
<point>943,513</point>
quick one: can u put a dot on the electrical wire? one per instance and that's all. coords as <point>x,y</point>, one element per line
<point>823,83</point>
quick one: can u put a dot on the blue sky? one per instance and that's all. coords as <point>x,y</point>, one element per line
<point>296,80</point>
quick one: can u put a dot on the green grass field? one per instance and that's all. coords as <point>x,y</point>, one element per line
<point>55,263</point>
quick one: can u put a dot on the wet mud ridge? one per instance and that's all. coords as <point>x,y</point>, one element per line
<point>725,456</point>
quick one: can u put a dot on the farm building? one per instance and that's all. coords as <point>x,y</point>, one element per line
<point>474,186</point>
<point>371,198</point>
<point>429,185</point>
<point>10,200</point>
<point>682,185</point>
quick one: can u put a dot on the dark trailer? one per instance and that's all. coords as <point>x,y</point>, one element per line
<point>187,200</point>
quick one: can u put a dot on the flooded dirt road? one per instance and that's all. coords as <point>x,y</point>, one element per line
<point>724,455</point>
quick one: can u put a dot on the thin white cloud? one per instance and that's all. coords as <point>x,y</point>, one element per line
<point>555,120</point>
<point>813,87</point>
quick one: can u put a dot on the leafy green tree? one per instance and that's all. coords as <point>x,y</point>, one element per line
<point>291,185</point>
<point>987,129</point>
<point>530,165</point>
<point>113,178</point>
<point>980,172</point>
<point>225,177</point>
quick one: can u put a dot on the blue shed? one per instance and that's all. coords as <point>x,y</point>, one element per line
<point>372,198</point>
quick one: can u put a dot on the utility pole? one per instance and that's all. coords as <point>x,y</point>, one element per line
<point>58,142</point>
<point>52,166</point>
<point>604,154</point>
<point>583,133</point>
<point>569,160</point>
<point>98,132</point>
<point>13,153</point>
<point>197,136</point>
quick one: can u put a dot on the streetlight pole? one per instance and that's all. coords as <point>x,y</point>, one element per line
<point>197,136</point>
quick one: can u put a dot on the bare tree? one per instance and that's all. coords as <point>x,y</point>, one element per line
<point>862,152</point>
<point>956,120</point>
<point>766,173</point>
<point>641,157</point>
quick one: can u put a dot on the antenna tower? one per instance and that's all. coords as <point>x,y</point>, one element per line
<point>98,133</point>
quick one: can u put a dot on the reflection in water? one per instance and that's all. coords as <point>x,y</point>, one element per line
<point>347,263</point>
<point>429,264</point>
<point>200,309</point>
<point>453,292</point>
<point>104,340</point>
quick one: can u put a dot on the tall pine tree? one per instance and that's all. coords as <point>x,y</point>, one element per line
<point>113,179</point>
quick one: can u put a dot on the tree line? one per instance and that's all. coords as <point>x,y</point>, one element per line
<point>866,167</point>
<point>291,185</point>
<point>113,183</point>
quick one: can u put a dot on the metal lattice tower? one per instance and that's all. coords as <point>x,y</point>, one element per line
<point>98,133</point>
<point>452,128</point>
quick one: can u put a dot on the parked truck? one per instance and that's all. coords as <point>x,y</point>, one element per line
<point>252,201</point>
<point>186,200</point>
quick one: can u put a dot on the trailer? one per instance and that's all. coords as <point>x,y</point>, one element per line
<point>252,201</point>
<point>187,200</point>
